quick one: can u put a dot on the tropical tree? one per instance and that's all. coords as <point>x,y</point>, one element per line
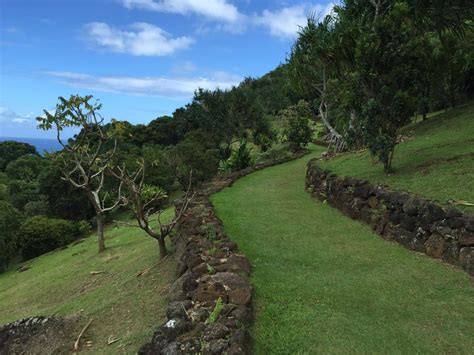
<point>84,161</point>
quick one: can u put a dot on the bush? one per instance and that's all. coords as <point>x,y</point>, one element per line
<point>240,159</point>
<point>10,221</point>
<point>275,153</point>
<point>41,234</point>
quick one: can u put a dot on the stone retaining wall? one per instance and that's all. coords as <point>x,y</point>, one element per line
<point>210,268</point>
<point>416,223</point>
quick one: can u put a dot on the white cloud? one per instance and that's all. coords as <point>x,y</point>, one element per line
<point>143,39</point>
<point>285,22</point>
<point>7,115</point>
<point>220,10</point>
<point>169,87</point>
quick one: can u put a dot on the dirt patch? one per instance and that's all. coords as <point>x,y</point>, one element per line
<point>39,335</point>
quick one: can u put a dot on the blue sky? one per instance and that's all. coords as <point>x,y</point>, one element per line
<point>141,58</point>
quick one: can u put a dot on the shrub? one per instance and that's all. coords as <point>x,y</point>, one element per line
<point>10,221</point>
<point>240,159</point>
<point>41,234</point>
<point>275,153</point>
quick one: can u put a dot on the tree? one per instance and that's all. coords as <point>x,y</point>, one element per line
<point>10,221</point>
<point>145,202</point>
<point>296,121</point>
<point>26,167</point>
<point>11,150</point>
<point>84,161</point>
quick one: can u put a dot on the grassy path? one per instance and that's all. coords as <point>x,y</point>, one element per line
<point>327,284</point>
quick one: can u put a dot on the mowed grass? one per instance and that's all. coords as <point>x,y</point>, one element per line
<point>326,284</point>
<point>124,307</point>
<point>437,160</point>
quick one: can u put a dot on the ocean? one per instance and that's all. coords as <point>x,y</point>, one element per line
<point>41,144</point>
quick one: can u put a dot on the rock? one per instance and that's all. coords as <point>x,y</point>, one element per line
<point>451,253</point>
<point>177,309</point>
<point>456,223</point>
<point>234,263</point>
<point>466,259</point>
<point>176,292</point>
<point>453,213</point>
<point>238,288</point>
<point>434,246</point>
<point>242,314</point>
<point>466,239</point>
<point>362,191</point>
<point>208,293</point>
<point>372,202</point>
<point>175,327</point>
<point>394,216</point>
<point>470,225</point>
<point>217,347</point>
<point>240,343</point>
<point>408,223</point>
<point>172,349</point>
<point>412,205</point>
<point>432,213</point>
<point>215,331</point>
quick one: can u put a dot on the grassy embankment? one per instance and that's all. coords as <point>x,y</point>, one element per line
<point>435,161</point>
<point>124,307</point>
<point>326,284</point>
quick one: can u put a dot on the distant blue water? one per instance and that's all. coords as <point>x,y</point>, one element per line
<point>41,144</point>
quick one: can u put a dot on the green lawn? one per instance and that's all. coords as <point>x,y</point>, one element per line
<point>326,284</point>
<point>437,160</point>
<point>124,306</point>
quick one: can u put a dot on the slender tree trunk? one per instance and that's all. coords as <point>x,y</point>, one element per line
<point>100,233</point>
<point>162,246</point>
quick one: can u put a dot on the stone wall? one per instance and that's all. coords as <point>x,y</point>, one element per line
<point>210,268</point>
<point>416,223</point>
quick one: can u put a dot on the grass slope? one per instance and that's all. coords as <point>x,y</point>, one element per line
<point>326,284</point>
<point>438,163</point>
<point>124,306</point>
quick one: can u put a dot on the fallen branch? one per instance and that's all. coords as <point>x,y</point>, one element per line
<point>76,344</point>
<point>147,270</point>
<point>97,272</point>
<point>461,202</point>
<point>110,341</point>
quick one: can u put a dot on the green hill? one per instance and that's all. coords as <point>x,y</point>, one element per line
<point>435,159</point>
<point>77,281</point>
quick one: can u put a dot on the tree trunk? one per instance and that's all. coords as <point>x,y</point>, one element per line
<point>162,246</point>
<point>100,233</point>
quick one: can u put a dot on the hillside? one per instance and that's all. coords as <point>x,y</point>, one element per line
<point>435,159</point>
<point>125,308</point>
<point>327,284</point>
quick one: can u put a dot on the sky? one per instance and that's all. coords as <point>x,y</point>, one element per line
<point>141,58</point>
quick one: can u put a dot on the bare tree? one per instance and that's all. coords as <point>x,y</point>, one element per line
<point>84,161</point>
<point>145,202</point>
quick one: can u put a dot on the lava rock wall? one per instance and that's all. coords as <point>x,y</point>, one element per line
<point>416,223</point>
<point>210,303</point>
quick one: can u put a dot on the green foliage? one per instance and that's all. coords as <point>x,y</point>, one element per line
<point>11,150</point>
<point>26,167</point>
<point>195,154</point>
<point>297,129</point>
<point>40,234</point>
<point>240,159</point>
<point>275,153</point>
<point>21,192</point>
<point>10,221</point>
<point>210,269</point>
<point>214,316</point>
